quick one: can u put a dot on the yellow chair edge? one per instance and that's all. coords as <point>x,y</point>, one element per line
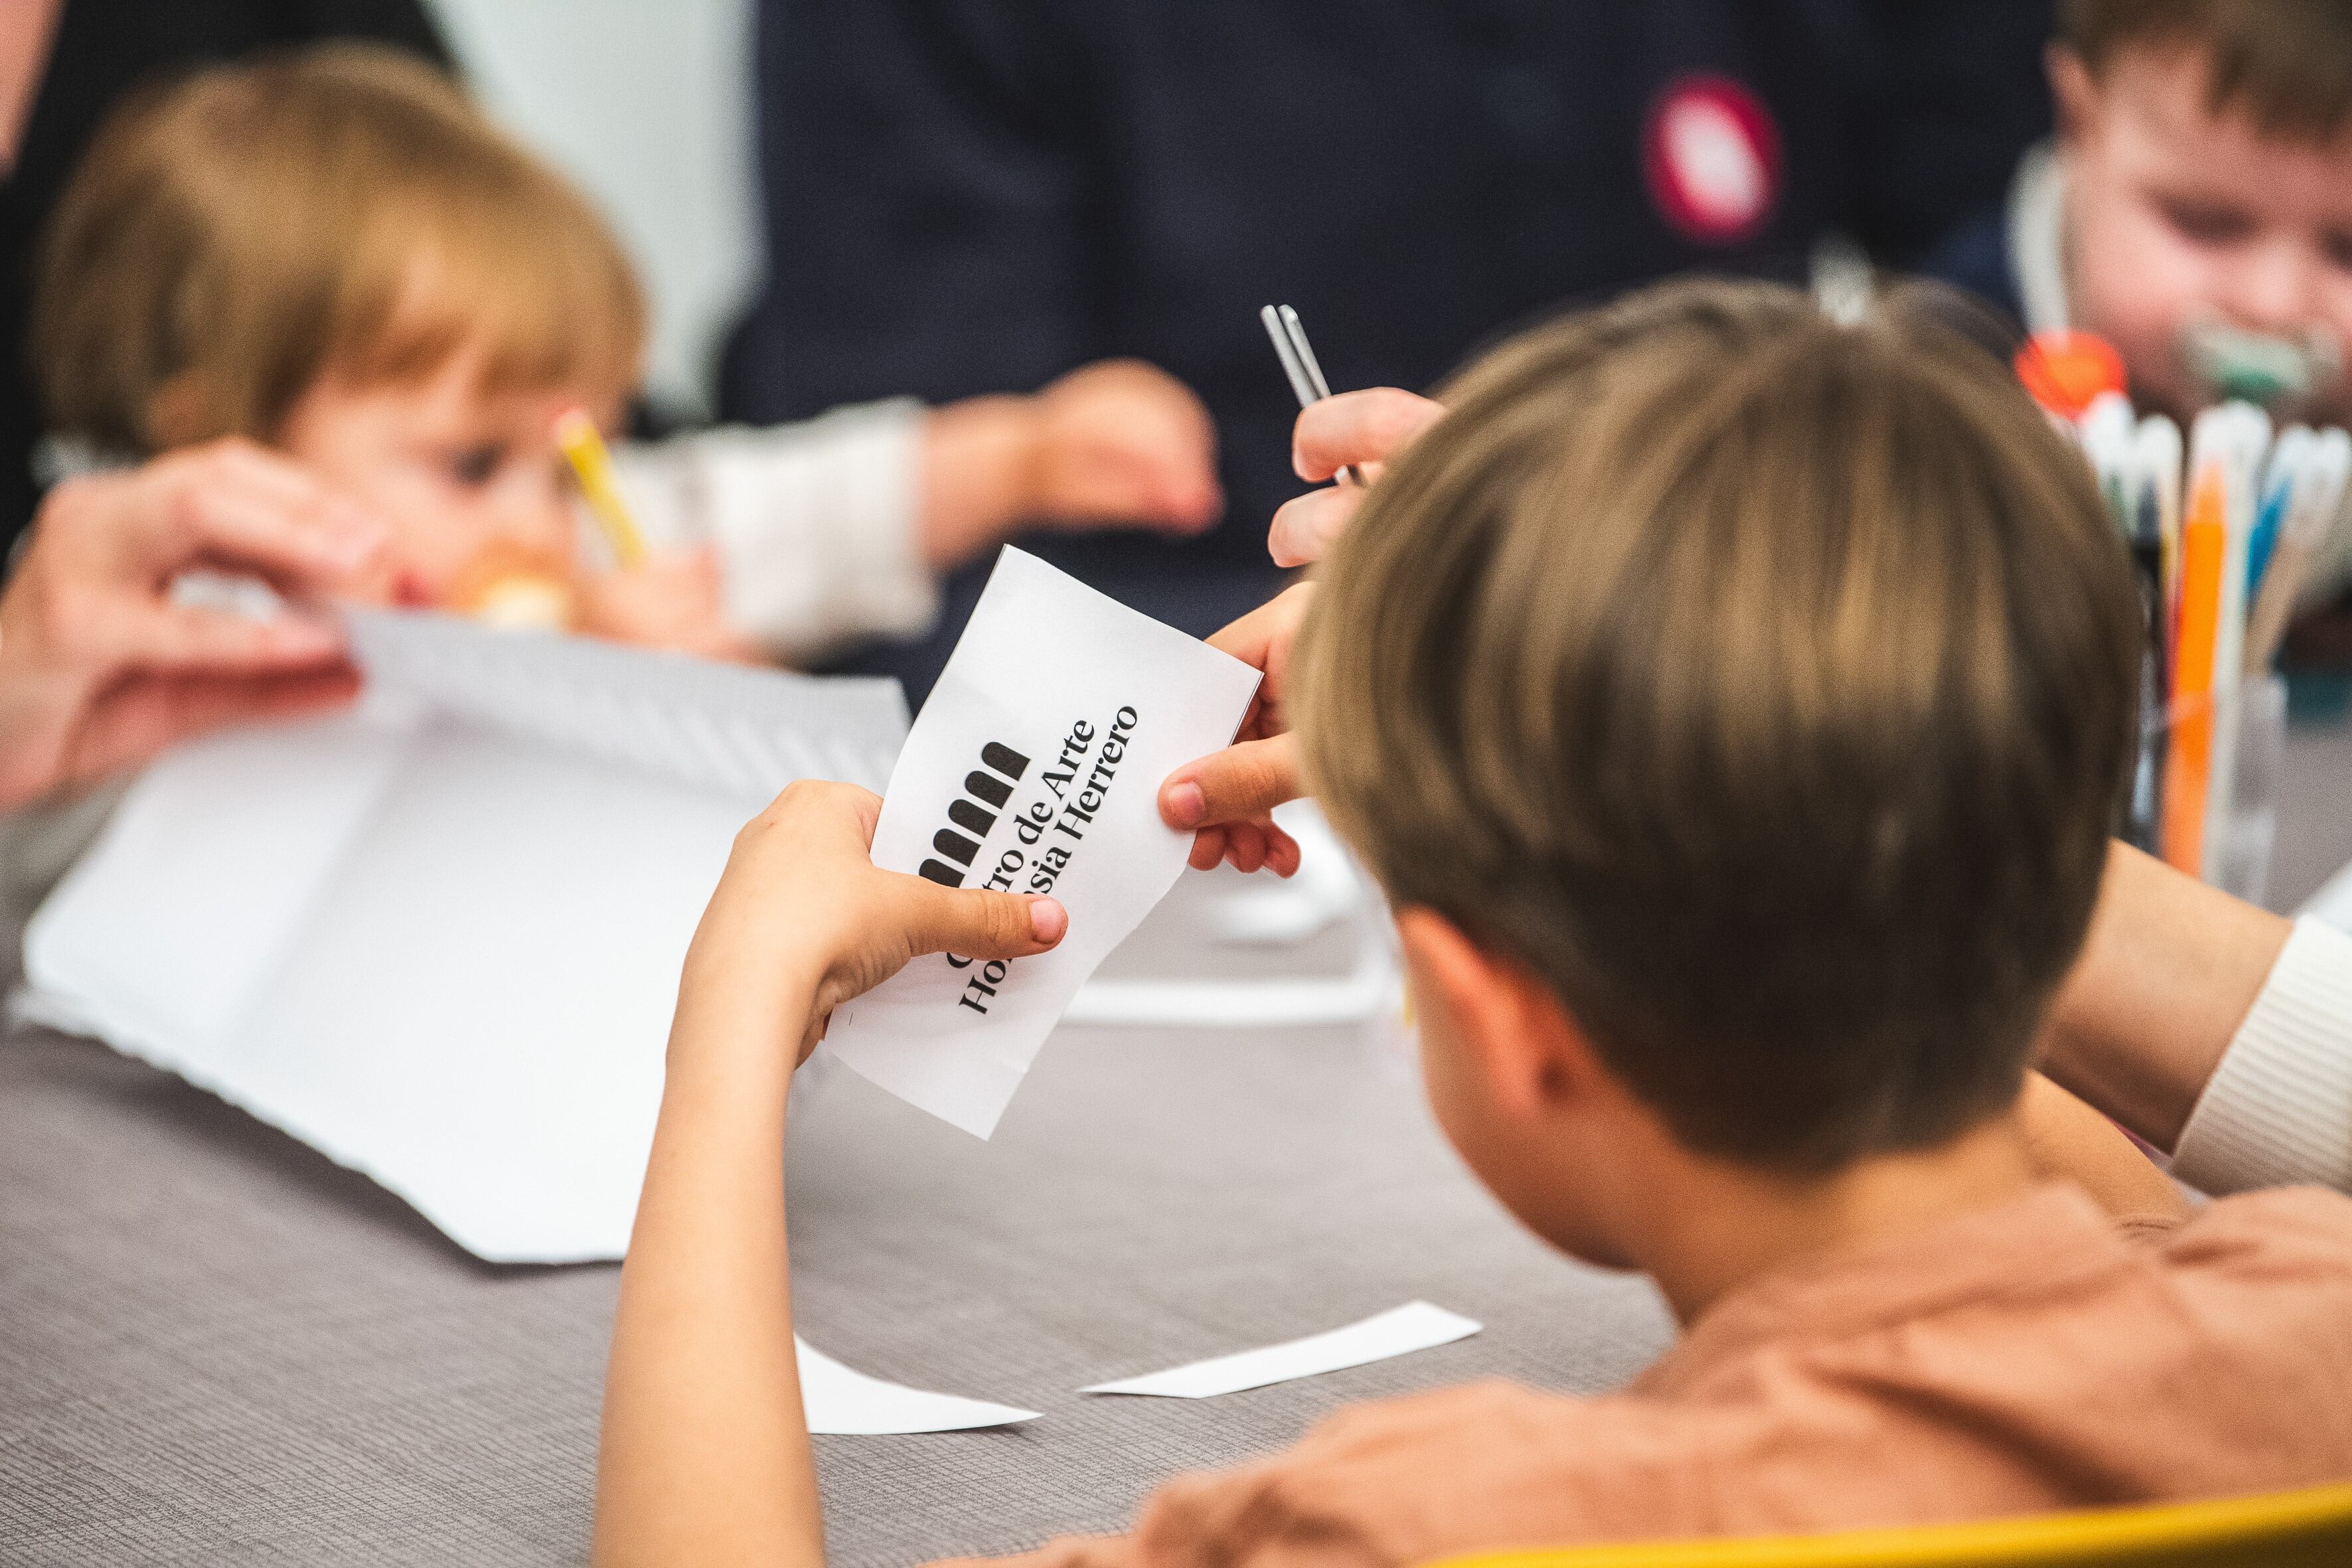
<point>2031,1538</point>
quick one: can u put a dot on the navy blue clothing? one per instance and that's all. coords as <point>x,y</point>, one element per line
<point>966,196</point>
<point>1975,258</point>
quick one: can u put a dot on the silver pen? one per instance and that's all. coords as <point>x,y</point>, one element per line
<point>1298,362</point>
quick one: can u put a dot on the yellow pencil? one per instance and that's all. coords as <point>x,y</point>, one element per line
<point>576,434</point>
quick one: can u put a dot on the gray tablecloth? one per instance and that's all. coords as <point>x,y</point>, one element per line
<point>216,1347</point>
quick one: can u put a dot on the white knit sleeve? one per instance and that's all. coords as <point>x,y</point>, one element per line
<point>817,524</point>
<point>2278,1111</point>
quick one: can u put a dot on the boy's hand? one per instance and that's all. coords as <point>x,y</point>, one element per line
<point>1363,429</point>
<point>1226,798</point>
<point>673,600</point>
<point>803,906</point>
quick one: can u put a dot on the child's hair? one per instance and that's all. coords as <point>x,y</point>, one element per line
<point>1765,684</point>
<point>232,239</point>
<point>2287,62</point>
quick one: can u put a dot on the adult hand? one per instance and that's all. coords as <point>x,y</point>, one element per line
<point>100,670</point>
<point>1123,442</point>
<point>1226,798</point>
<point>1118,444</point>
<point>803,919</point>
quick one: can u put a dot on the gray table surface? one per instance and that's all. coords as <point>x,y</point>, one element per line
<point>218,1347</point>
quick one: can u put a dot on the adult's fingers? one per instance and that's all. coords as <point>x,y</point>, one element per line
<point>1246,780</point>
<point>1305,526</point>
<point>234,505</point>
<point>1367,426</point>
<point>148,714</point>
<point>980,922</point>
<point>163,636</point>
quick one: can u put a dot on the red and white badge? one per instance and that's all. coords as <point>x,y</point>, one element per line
<point>1712,158</point>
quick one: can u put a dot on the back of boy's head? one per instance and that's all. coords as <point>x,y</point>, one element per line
<point>233,238</point>
<point>2286,62</point>
<point>1763,684</point>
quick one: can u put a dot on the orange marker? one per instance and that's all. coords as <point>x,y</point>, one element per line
<point>2189,764</point>
<point>2066,371</point>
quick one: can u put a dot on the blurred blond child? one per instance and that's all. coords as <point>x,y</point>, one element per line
<point>335,254</point>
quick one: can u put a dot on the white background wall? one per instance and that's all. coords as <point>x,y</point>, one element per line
<point>646,104</point>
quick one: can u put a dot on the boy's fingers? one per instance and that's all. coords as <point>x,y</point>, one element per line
<point>1281,852</point>
<point>1245,845</point>
<point>1367,426</point>
<point>1261,638</point>
<point>1305,526</point>
<point>1208,849</point>
<point>1245,779</point>
<point>980,922</point>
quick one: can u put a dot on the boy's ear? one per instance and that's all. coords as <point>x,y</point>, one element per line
<point>1499,1015</point>
<point>2074,92</point>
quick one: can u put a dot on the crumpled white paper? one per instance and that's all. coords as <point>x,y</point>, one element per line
<point>1035,768</point>
<point>1401,1331</point>
<point>843,1402</point>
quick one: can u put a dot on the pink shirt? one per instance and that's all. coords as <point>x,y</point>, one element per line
<point>2019,1359</point>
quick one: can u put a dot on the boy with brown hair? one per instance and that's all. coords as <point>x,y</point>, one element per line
<point>334,253</point>
<point>1733,704</point>
<point>2196,208</point>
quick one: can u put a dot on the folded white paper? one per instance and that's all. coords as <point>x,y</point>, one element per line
<point>849,1403</point>
<point>439,938</point>
<point>1415,1326</point>
<point>1035,767</point>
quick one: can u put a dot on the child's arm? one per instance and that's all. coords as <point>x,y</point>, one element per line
<point>705,1455</point>
<point>1115,444</point>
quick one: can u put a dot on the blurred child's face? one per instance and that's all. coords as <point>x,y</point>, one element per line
<point>2179,217</point>
<point>453,470</point>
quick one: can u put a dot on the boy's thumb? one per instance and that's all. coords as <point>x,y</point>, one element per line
<point>1245,779</point>
<point>980,922</point>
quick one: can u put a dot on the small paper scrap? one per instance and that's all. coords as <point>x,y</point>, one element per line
<point>1033,768</point>
<point>1415,1326</point>
<point>842,1403</point>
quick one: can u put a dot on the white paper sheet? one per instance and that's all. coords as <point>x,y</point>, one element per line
<point>438,938</point>
<point>844,1403</point>
<point>1035,766</point>
<point>1415,1326</point>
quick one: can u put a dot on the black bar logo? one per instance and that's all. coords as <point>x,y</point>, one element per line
<point>985,790</point>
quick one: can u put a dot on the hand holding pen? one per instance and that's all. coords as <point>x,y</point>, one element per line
<point>1299,364</point>
<point>1225,799</point>
<point>1356,431</point>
